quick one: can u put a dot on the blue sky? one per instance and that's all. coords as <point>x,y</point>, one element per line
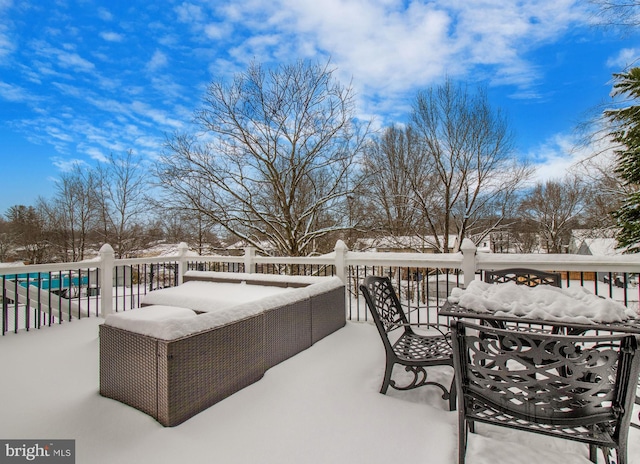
<point>80,79</point>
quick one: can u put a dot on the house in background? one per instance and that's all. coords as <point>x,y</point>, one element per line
<point>598,247</point>
<point>594,242</point>
<point>599,243</point>
<point>404,244</point>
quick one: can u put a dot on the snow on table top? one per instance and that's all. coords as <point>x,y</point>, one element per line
<point>544,302</point>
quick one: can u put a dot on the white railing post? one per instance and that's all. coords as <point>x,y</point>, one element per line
<point>182,261</point>
<point>468,249</point>
<point>341,250</point>
<point>249,254</point>
<point>107,261</point>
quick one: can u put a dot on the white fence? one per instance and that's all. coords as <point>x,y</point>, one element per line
<point>39,295</point>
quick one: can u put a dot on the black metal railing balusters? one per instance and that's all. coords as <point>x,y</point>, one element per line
<point>69,295</point>
<point>98,290</point>
<point>115,286</point>
<point>77,292</point>
<point>131,295</point>
<point>5,314</point>
<point>39,310</point>
<point>16,309</point>
<point>27,314</point>
<point>625,281</point>
<point>610,285</point>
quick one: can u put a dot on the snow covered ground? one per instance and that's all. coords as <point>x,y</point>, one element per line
<point>321,406</point>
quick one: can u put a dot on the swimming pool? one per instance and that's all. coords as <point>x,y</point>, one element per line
<point>47,280</point>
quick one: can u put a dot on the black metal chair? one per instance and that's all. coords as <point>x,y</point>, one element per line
<point>414,351</point>
<point>577,387</point>
<point>522,276</point>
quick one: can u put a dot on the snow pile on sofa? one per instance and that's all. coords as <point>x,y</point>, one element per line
<point>211,296</point>
<point>258,278</point>
<point>221,303</point>
<point>157,321</point>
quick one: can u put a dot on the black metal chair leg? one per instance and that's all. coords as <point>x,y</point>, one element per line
<point>453,396</point>
<point>387,377</point>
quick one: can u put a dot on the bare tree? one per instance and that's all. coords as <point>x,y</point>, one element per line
<point>75,210</point>
<point>27,227</point>
<point>605,192</point>
<point>188,226</point>
<point>121,192</point>
<point>272,160</point>
<point>6,240</point>
<point>556,207</point>
<point>467,179</point>
<point>618,13</point>
<point>388,168</point>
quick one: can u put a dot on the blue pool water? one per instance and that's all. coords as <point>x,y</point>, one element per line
<point>49,283</point>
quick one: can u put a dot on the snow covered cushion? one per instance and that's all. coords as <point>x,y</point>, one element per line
<point>211,296</point>
<point>254,278</point>
<point>220,303</point>
<point>155,321</point>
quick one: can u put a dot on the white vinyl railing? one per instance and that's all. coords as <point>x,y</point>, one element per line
<point>37,295</point>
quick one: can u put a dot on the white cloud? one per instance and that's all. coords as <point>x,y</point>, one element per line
<point>157,116</point>
<point>94,153</point>
<point>189,13</point>
<point>13,93</point>
<point>565,154</point>
<point>626,58</point>
<point>112,36</point>
<point>217,31</point>
<point>67,164</point>
<point>391,47</point>
<point>388,47</point>
<point>158,60</point>
<point>150,142</point>
<point>6,45</point>
<point>105,14</point>
<point>74,62</point>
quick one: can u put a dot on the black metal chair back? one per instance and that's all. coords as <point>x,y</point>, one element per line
<point>412,350</point>
<point>522,276</point>
<point>578,387</point>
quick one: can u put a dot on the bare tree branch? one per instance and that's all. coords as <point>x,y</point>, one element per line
<point>273,158</point>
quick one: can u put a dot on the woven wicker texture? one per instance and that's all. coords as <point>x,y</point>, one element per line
<point>198,371</point>
<point>287,331</point>
<point>328,313</point>
<point>128,368</point>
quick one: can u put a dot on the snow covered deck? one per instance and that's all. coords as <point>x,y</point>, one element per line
<point>321,406</point>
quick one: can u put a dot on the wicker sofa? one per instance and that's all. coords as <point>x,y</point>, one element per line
<point>172,361</point>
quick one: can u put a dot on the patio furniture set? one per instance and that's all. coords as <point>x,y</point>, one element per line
<point>195,344</point>
<point>555,377</point>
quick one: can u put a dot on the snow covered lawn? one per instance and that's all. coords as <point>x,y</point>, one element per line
<point>321,406</point>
